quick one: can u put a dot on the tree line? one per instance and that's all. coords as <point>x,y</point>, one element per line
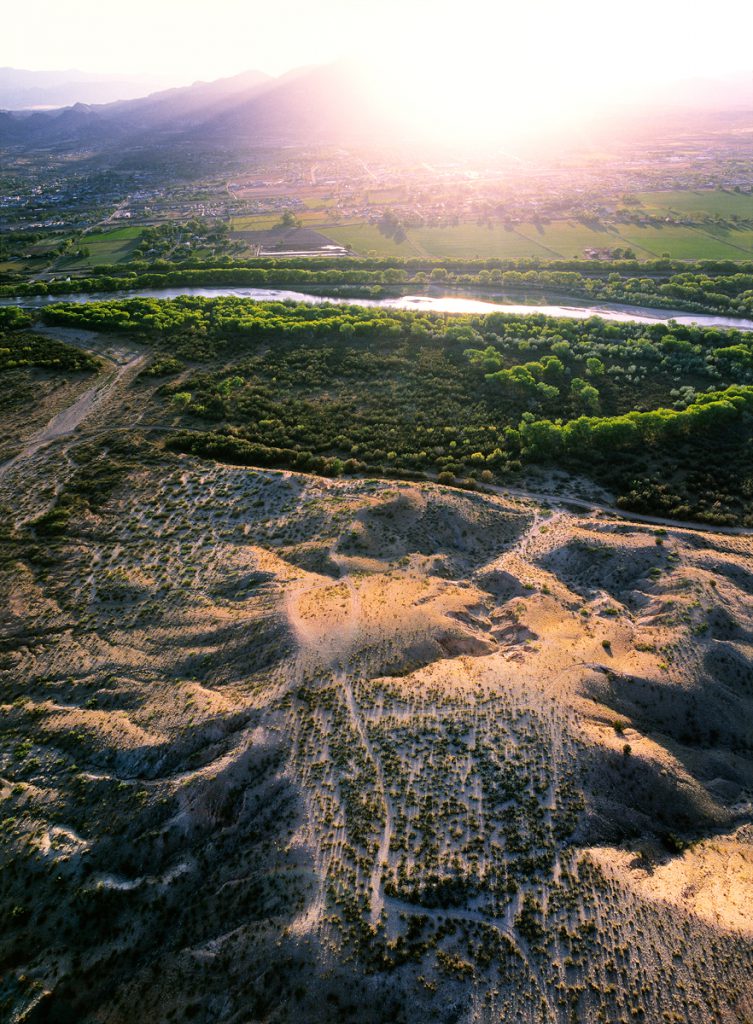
<point>703,287</point>
<point>661,414</point>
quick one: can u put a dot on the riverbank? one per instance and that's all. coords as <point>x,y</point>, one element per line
<point>459,304</point>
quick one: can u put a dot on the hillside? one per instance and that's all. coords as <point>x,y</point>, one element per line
<point>251,109</point>
<point>288,748</point>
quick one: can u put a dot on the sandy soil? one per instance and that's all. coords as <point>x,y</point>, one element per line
<point>284,748</point>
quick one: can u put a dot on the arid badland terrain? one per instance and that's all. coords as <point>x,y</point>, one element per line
<point>277,747</point>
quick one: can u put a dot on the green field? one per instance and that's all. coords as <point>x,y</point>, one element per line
<point>560,239</point>
<point>567,239</point>
<point>469,240</point>
<point>685,243</point>
<point>715,203</point>
<point>367,238</point>
<point>108,246</point>
<point>570,238</point>
<point>739,239</point>
<point>462,240</point>
<point>255,222</point>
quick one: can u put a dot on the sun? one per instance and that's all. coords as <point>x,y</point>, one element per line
<point>503,75</point>
<point>467,99</point>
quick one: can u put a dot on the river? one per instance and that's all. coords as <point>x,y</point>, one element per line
<point>421,303</point>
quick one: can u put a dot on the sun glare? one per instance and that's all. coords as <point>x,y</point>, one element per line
<point>497,80</point>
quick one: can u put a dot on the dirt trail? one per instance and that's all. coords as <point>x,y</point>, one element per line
<point>310,642</point>
<point>504,925</point>
<point>564,500</point>
<point>68,420</point>
<point>376,881</point>
<point>105,346</point>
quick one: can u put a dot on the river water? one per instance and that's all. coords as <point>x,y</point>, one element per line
<point>420,303</point>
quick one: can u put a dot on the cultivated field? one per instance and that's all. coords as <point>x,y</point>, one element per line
<point>367,238</point>
<point>685,242</point>
<point>558,239</point>
<point>107,247</point>
<point>711,202</point>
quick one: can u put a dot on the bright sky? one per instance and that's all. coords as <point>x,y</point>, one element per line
<point>545,39</point>
<point>469,69</point>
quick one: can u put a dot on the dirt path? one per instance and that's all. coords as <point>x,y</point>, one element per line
<point>376,886</point>
<point>377,893</point>
<point>563,500</point>
<point>68,420</point>
<point>311,642</point>
<point>504,925</point>
<point>112,347</point>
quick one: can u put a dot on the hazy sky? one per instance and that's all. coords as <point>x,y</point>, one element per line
<point>188,39</point>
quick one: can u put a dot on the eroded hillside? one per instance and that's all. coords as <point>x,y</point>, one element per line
<point>281,748</point>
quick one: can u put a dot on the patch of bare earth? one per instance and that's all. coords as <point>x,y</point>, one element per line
<point>281,748</point>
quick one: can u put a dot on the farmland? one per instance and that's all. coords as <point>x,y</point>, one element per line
<point>714,203</point>
<point>367,238</point>
<point>106,247</point>
<point>685,243</point>
<point>559,239</point>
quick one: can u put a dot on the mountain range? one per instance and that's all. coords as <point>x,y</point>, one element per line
<point>27,90</point>
<point>332,104</point>
<point>303,105</point>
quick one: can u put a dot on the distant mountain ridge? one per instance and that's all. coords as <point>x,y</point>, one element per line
<point>25,90</point>
<point>309,103</point>
<point>332,104</point>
